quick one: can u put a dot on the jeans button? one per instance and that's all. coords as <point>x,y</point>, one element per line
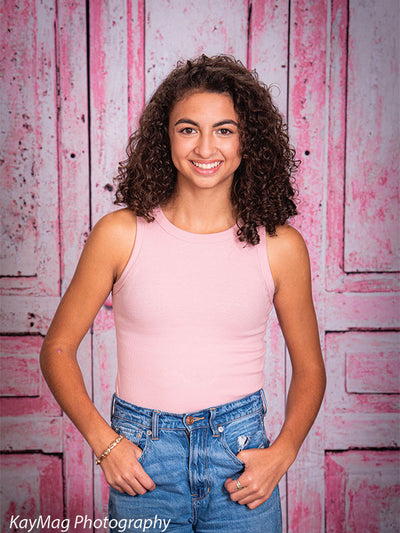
<point>189,420</point>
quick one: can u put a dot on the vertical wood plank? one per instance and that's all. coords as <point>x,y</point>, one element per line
<point>73,135</point>
<point>135,43</point>
<point>336,146</point>
<point>307,114</point>
<point>73,152</point>
<point>108,99</point>
<point>114,26</point>
<point>268,54</point>
<point>193,28</point>
<point>268,46</point>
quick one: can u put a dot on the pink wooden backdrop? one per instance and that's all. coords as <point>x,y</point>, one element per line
<point>75,80</point>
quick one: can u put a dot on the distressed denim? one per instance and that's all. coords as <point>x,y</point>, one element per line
<point>189,457</point>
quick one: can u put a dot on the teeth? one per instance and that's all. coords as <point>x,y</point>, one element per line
<point>206,166</point>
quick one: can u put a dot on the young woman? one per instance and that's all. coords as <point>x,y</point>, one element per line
<point>195,262</point>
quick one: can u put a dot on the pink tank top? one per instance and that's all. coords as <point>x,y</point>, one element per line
<point>191,313</point>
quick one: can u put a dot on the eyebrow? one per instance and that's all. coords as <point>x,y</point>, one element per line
<point>221,123</point>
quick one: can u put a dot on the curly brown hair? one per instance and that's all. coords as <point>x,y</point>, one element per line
<point>263,186</point>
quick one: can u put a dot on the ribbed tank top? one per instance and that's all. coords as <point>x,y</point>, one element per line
<point>191,313</point>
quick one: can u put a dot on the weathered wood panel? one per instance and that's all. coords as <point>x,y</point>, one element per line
<point>362,309</point>
<point>376,430</point>
<point>18,398</point>
<point>27,493</point>
<point>336,278</point>
<point>363,490</point>
<point>20,375</point>
<point>47,170</point>
<point>372,224</point>
<point>360,419</point>
<point>376,369</point>
<point>32,433</point>
<point>29,153</point>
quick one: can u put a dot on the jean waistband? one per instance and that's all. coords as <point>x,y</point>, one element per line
<point>212,416</point>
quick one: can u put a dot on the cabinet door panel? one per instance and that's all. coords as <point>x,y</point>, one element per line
<point>362,491</point>
<point>27,493</point>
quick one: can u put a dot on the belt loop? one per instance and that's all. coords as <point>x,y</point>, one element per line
<point>264,401</point>
<point>154,425</point>
<point>112,406</point>
<point>212,423</point>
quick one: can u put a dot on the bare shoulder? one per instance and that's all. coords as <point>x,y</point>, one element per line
<point>287,240</point>
<point>117,222</point>
<point>288,254</point>
<point>115,229</point>
<point>113,238</point>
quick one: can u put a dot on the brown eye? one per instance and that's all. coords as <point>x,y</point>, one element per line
<point>225,131</point>
<point>187,131</point>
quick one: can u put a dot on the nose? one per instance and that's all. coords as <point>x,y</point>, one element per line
<point>205,147</point>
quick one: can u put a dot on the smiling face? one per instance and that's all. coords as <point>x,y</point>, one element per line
<point>204,139</point>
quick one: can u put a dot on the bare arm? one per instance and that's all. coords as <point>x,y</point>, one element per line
<point>296,315</point>
<point>290,268</point>
<point>103,259</point>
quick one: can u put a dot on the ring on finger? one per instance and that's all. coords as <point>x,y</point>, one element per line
<point>238,485</point>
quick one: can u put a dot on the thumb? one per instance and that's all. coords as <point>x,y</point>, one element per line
<point>243,456</point>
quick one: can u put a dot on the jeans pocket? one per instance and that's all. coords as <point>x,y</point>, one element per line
<point>242,434</point>
<point>134,432</point>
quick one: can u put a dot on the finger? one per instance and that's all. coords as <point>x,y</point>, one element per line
<point>247,499</point>
<point>136,487</point>
<point>230,485</point>
<point>241,495</point>
<point>255,504</point>
<point>144,479</point>
<point>253,498</point>
<point>128,490</point>
<point>130,485</point>
<point>135,481</point>
<point>242,456</point>
<point>123,488</point>
<point>236,492</point>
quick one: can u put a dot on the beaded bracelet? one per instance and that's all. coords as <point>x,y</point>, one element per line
<point>108,450</point>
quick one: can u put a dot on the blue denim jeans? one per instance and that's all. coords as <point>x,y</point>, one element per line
<point>189,457</point>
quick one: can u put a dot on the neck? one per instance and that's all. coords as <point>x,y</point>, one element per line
<point>207,212</point>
